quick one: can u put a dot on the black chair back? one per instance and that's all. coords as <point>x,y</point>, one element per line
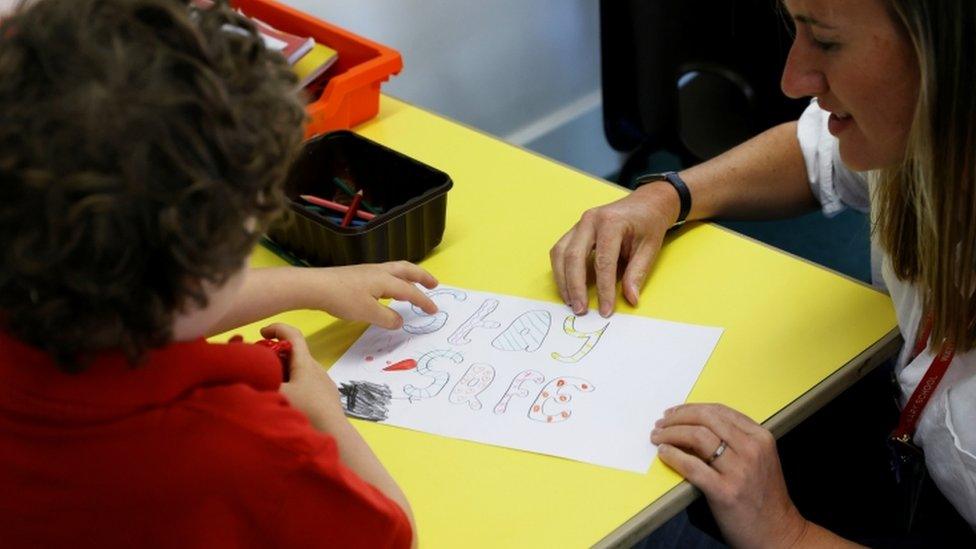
<point>727,55</point>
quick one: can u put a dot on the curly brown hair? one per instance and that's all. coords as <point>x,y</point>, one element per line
<point>143,144</point>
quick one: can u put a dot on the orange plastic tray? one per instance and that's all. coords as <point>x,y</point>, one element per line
<point>352,95</point>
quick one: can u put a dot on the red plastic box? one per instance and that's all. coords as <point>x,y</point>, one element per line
<point>352,95</point>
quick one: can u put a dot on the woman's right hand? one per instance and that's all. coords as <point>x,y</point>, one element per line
<point>627,233</point>
<point>309,388</point>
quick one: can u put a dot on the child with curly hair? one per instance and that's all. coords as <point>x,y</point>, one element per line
<point>143,145</point>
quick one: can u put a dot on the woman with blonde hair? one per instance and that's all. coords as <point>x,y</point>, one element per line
<point>891,128</point>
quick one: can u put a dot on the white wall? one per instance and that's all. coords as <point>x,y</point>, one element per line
<point>525,70</point>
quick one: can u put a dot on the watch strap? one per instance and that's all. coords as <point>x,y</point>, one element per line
<point>684,195</point>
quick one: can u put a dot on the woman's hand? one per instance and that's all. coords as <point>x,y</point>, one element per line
<point>309,388</point>
<point>352,292</point>
<point>744,485</point>
<point>627,233</point>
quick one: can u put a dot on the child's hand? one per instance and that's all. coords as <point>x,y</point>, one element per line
<point>311,391</point>
<point>309,388</point>
<point>352,292</point>
<point>344,292</point>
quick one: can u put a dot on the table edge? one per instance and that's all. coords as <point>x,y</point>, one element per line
<point>682,495</point>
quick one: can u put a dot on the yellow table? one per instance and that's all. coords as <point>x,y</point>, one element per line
<point>795,335</point>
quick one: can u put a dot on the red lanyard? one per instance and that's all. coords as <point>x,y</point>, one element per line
<point>920,396</point>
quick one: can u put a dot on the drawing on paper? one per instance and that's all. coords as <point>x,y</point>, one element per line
<point>385,342</point>
<point>428,324</point>
<point>592,338</point>
<point>518,388</point>
<point>552,404</point>
<point>439,378</point>
<point>544,380</point>
<point>474,382</point>
<point>401,365</point>
<point>541,380</point>
<point>366,400</point>
<point>525,333</point>
<point>477,320</point>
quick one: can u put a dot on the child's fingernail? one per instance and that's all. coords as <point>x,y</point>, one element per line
<point>658,423</point>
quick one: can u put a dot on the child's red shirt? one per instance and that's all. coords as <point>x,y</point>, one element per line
<point>195,447</point>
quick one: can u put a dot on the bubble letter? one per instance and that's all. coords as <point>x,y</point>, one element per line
<point>552,404</point>
<point>517,389</point>
<point>477,320</point>
<point>439,377</point>
<point>472,383</point>
<point>525,333</point>
<point>592,338</point>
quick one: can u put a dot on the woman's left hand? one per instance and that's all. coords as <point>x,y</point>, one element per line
<point>733,460</point>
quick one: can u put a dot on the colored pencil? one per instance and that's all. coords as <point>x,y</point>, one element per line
<point>347,188</point>
<point>336,219</point>
<point>341,183</point>
<point>331,216</point>
<point>353,208</point>
<point>335,206</point>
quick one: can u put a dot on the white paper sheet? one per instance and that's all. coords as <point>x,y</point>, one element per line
<point>526,374</point>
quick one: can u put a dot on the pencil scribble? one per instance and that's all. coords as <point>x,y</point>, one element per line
<point>384,343</point>
<point>366,400</point>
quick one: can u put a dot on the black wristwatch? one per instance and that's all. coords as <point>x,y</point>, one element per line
<point>679,185</point>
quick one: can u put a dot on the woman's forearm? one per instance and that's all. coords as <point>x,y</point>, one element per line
<point>763,178</point>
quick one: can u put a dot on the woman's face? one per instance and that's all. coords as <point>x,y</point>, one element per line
<point>861,66</point>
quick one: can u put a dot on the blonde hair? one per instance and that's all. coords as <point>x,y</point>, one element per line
<point>926,218</point>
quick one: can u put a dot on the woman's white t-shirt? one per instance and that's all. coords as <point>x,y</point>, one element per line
<point>947,428</point>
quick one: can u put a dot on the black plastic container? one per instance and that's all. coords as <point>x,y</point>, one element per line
<point>412,197</point>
